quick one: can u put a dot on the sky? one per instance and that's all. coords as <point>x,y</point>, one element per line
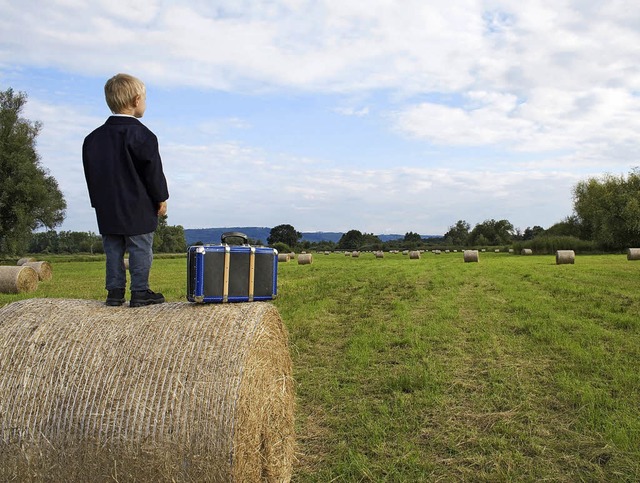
<point>384,116</point>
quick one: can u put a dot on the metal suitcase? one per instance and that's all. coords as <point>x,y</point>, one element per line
<point>231,273</point>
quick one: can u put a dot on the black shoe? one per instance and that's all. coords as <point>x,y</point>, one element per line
<point>145,297</point>
<point>115,297</point>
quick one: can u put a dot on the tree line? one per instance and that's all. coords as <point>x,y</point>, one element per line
<point>167,239</point>
<point>606,211</point>
<point>606,218</point>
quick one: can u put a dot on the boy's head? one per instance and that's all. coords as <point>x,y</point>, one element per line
<point>125,94</point>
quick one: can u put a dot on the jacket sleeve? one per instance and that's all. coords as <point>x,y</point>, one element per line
<point>150,169</point>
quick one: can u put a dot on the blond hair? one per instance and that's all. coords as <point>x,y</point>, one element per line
<point>121,91</point>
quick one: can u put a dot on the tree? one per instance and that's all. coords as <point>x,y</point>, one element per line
<point>284,233</point>
<point>369,241</point>
<point>350,240</point>
<point>29,196</point>
<point>531,233</point>
<point>570,226</point>
<point>169,239</point>
<point>608,209</point>
<point>458,233</point>
<point>492,232</point>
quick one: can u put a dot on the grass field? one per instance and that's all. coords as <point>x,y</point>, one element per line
<point>511,369</point>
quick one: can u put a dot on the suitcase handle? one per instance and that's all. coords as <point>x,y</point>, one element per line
<point>234,234</point>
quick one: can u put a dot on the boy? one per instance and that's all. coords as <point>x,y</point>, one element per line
<point>127,188</point>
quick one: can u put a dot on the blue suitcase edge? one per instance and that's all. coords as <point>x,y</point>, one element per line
<point>198,296</point>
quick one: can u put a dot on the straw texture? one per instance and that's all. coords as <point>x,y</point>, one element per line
<point>565,257</point>
<point>43,269</point>
<point>17,279</point>
<point>283,257</point>
<point>470,256</point>
<point>170,392</point>
<point>305,259</point>
<point>633,254</point>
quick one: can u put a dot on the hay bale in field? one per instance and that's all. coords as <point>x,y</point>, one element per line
<point>633,254</point>
<point>43,269</point>
<point>24,260</point>
<point>565,257</point>
<point>471,256</point>
<point>355,254</point>
<point>169,392</point>
<point>283,257</point>
<point>305,259</point>
<point>18,279</point>
<point>126,264</point>
<point>414,255</point>
<point>379,254</point>
<point>526,251</point>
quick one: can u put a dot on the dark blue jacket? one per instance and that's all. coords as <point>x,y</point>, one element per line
<point>124,175</point>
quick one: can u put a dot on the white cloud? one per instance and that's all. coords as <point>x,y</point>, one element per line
<point>552,85</point>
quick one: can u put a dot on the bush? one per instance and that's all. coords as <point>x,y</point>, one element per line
<point>550,244</point>
<point>281,247</point>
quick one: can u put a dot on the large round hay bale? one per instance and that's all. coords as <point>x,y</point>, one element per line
<point>305,259</point>
<point>283,257</point>
<point>169,392</point>
<point>18,279</point>
<point>24,260</point>
<point>43,269</point>
<point>379,254</point>
<point>414,255</point>
<point>565,257</point>
<point>355,254</point>
<point>526,251</point>
<point>633,254</point>
<point>471,256</point>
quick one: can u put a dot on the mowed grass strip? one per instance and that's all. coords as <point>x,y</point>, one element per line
<point>510,369</point>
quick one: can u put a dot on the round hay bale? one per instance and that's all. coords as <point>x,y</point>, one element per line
<point>633,254</point>
<point>169,392</point>
<point>414,255</point>
<point>565,257</point>
<point>24,260</point>
<point>18,279</point>
<point>283,257</point>
<point>126,264</point>
<point>305,259</point>
<point>355,254</point>
<point>379,254</point>
<point>471,256</point>
<point>43,269</point>
<point>526,251</point>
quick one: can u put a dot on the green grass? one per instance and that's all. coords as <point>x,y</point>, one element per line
<point>511,369</point>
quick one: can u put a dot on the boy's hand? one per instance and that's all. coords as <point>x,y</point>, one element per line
<point>162,208</point>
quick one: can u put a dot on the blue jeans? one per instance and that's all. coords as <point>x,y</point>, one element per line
<point>140,248</point>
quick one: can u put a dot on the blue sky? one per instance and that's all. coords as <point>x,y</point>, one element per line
<point>330,115</point>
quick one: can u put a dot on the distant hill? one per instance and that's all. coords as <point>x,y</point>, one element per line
<point>212,235</point>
